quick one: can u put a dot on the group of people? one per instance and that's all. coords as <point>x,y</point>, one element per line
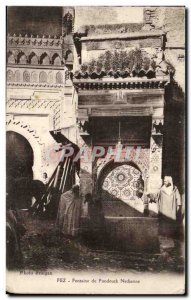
<point>69,209</point>
<point>168,200</point>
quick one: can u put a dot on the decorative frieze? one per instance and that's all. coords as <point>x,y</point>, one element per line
<point>122,44</point>
<point>157,126</point>
<point>31,131</point>
<point>52,107</point>
<point>34,57</point>
<point>33,78</point>
<point>34,41</point>
<point>45,51</point>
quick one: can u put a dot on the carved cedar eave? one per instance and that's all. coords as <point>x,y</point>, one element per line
<point>130,83</point>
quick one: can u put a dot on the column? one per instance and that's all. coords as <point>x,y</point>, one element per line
<point>84,143</point>
<point>156,142</point>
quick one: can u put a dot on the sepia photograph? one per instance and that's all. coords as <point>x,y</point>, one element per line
<point>95,150</point>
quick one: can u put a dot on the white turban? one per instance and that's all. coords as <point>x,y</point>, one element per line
<point>168,189</point>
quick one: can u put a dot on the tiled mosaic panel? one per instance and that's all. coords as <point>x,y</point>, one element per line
<point>141,159</point>
<point>121,183</point>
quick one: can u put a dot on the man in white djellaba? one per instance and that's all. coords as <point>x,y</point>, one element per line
<point>169,207</point>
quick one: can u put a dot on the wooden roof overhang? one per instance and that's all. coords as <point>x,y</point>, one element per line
<point>120,97</point>
<point>128,83</point>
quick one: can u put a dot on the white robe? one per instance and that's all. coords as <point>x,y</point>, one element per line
<point>168,202</point>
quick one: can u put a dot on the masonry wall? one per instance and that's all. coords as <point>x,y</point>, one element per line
<point>172,21</point>
<point>34,20</point>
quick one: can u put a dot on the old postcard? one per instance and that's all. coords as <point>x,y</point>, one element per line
<point>95,157</point>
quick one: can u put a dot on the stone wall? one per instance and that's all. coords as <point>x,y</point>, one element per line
<point>172,21</point>
<point>40,95</point>
<point>35,109</point>
<point>35,20</point>
<point>169,19</point>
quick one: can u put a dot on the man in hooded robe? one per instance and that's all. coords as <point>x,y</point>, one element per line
<point>68,217</point>
<point>169,206</point>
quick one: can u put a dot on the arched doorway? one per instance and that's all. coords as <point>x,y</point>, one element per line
<point>125,224</point>
<point>118,189</point>
<point>19,163</point>
<point>19,160</point>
